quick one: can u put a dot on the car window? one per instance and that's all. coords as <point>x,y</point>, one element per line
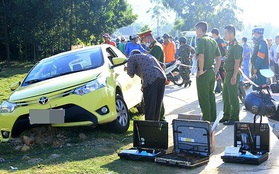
<point>111,53</point>
<point>63,64</point>
<point>87,60</point>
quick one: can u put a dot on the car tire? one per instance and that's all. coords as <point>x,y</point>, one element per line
<point>122,122</point>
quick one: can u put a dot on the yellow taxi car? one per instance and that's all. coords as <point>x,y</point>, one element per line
<point>83,87</point>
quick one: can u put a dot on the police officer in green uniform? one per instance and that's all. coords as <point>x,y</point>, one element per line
<point>259,57</point>
<point>184,56</point>
<point>230,87</point>
<point>207,49</point>
<point>156,50</point>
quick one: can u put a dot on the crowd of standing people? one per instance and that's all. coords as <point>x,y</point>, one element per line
<point>212,57</point>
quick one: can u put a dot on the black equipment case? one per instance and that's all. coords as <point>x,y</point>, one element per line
<point>150,138</point>
<point>251,137</point>
<point>191,140</point>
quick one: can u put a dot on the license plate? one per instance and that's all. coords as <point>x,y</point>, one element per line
<point>51,116</point>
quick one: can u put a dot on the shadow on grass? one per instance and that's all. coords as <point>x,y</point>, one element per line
<point>67,144</point>
<point>139,167</point>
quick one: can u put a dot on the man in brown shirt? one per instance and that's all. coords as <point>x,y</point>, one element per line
<point>150,70</point>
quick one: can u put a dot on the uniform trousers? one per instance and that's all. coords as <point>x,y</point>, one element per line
<point>206,95</point>
<point>230,98</point>
<point>153,96</point>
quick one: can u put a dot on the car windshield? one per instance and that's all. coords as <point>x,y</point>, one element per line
<point>63,64</point>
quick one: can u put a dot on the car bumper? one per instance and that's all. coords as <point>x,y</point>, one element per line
<point>78,109</point>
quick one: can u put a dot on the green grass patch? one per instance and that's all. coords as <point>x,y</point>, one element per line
<point>61,150</point>
<point>10,73</point>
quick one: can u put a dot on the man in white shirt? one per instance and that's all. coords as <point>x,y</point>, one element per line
<point>273,55</point>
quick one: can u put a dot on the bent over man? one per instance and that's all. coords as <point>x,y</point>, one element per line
<point>150,70</point>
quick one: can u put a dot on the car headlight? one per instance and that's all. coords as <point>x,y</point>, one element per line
<point>91,86</point>
<point>7,107</point>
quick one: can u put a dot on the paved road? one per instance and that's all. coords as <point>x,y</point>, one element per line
<point>184,100</point>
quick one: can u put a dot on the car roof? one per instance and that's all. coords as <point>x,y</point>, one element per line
<point>103,46</point>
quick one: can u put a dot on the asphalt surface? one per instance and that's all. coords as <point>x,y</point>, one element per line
<point>184,100</point>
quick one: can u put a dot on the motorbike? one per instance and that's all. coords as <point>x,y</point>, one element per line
<point>261,103</point>
<point>172,72</point>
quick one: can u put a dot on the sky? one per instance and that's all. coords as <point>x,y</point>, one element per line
<point>255,12</point>
<point>259,11</point>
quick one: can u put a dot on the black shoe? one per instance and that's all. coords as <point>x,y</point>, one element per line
<point>190,81</point>
<point>223,120</point>
<point>229,122</point>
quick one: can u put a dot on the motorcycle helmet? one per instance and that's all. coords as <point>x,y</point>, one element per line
<point>258,29</point>
<point>182,39</point>
<point>259,103</point>
<point>135,36</point>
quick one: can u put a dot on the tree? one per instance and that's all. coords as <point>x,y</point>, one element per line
<point>35,28</point>
<point>144,28</point>
<point>217,13</point>
<point>5,37</point>
<point>157,13</point>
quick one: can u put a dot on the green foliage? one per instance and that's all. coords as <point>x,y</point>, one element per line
<point>37,29</point>
<point>144,28</point>
<point>217,13</point>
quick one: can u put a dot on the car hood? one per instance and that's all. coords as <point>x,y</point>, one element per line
<point>61,83</point>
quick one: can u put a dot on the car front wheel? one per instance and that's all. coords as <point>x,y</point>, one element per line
<point>122,122</point>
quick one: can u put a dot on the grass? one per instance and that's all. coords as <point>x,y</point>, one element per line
<point>61,150</point>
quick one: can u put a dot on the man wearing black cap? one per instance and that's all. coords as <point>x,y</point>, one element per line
<point>259,57</point>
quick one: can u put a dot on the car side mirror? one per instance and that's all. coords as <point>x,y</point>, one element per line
<point>117,61</point>
<point>15,85</point>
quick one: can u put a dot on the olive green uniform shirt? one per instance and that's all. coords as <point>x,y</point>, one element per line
<point>156,50</point>
<point>209,48</point>
<point>234,52</point>
<point>230,92</point>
